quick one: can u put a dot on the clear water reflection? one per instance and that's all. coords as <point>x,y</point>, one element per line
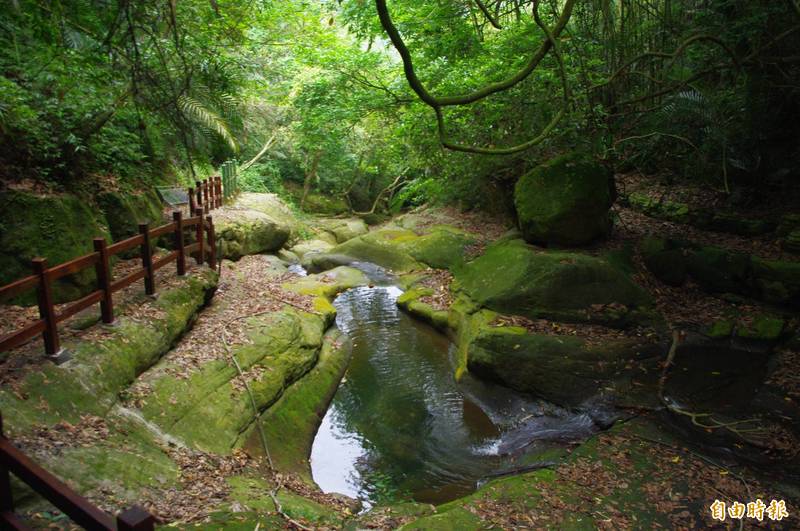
<point>400,426</point>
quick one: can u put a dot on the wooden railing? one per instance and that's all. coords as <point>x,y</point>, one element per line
<point>79,509</point>
<point>204,249</point>
<point>210,193</point>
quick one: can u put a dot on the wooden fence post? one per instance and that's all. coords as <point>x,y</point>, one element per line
<point>212,244</point>
<point>177,216</point>
<point>218,188</point>
<point>6,497</point>
<point>103,270</point>
<point>198,186</point>
<point>206,197</point>
<point>226,186</point>
<point>44,294</point>
<point>201,257</point>
<point>192,206</point>
<point>135,519</point>
<point>147,259</point>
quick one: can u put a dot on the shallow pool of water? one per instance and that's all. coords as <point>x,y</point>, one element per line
<point>400,426</point>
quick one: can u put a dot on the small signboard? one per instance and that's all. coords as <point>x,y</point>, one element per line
<point>173,195</point>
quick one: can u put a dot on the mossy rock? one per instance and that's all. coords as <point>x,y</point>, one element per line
<point>666,259</point>
<point>721,329</point>
<point>345,229</point>
<point>246,232</point>
<point>311,246</point>
<point>565,201</point>
<point>124,211</point>
<point>560,369</point>
<point>442,248</point>
<point>383,247</point>
<point>330,283</point>
<point>766,328</point>
<point>734,223</point>
<point>777,281</point>
<point>788,223</point>
<point>409,301</point>
<point>56,227</point>
<point>300,410</point>
<point>99,371</point>
<point>664,209</point>
<point>792,242</point>
<point>253,494</point>
<point>456,519</point>
<point>719,270</point>
<point>513,278</point>
<point>206,410</point>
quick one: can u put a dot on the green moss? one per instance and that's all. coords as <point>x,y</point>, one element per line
<point>443,248</point>
<point>300,410</point>
<point>271,205</point>
<point>58,228</point>
<point>345,229</point>
<point>666,259</point>
<point>719,270</point>
<point>667,210</point>
<point>762,328</point>
<point>330,283</point>
<point>514,279</point>
<point>311,246</point>
<point>382,247</point>
<point>720,329</point>
<point>457,519</point>
<point>562,369</point>
<point>101,369</point>
<point>249,232</point>
<point>124,212</point>
<point>206,410</point>
<point>777,281</point>
<point>565,201</point>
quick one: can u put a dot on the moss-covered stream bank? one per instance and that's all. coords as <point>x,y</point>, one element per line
<point>400,426</point>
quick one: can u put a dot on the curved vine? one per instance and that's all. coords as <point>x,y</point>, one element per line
<point>437,103</point>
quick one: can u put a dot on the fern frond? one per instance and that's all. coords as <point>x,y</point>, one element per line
<point>208,118</point>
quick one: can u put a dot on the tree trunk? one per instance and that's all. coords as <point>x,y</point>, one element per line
<point>311,176</point>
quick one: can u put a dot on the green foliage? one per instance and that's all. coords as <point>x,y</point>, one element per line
<point>139,92</point>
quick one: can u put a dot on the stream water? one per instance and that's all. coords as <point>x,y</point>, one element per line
<point>400,426</point>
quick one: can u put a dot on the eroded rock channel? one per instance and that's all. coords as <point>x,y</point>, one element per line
<point>401,426</point>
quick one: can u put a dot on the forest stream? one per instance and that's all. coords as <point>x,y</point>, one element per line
<point>400,425</point>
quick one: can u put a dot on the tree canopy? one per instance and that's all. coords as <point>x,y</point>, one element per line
<point>449,100</point>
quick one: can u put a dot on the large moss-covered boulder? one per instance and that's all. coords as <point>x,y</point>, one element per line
<point>209,408</point>
<point>719,270</point>
<point>301,409</point>
<point>666,259</point>
<point>777,281</point>
<point>345,229</point>
<point>311,247</point>
<point>246,232</point>
<point>565,201</point>
<point>57,227</point>
<point>561,369</point>
<point>513,278</point>
<point>443,248</point>
<point>124,211</point>
<point>274,207</point>
<point>383,247</point>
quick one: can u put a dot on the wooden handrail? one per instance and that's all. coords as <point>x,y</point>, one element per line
<point>78,508</point>
<point>204,249</point>
<point>18,286</point>
<point>125,245</point>
<point>73,266</point>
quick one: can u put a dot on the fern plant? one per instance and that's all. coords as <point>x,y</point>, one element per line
<point>208,118</point>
